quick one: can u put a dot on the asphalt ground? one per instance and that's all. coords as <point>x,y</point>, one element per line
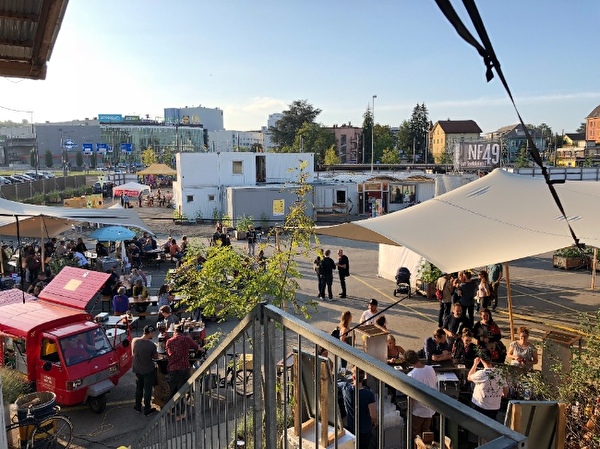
<point>544,298</point>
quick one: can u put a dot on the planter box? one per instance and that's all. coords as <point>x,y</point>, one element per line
<point>569,263</point>
<point>426,289</point>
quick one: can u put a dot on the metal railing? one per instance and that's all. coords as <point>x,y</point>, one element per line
<point>263,382</point>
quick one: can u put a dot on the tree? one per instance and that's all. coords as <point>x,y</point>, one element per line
<point>523,160</point>
<point>444,158</point>
<point>419,126</point>
<point>168,157</point>
<point>582,128</point>
<point>33,158</point>
<point>384,140</point>
<point>390,157</point>
<point>367,133</point>
<point>48,159</point>
<point>404,137</point>
<point>284,132</point>
<point>79,158</point>
<point>149,156</point>
<point>312,138</point>
<point>331,156</point>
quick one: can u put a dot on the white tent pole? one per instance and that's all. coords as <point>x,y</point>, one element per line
<point>509,302</point>
<point>594,265</point>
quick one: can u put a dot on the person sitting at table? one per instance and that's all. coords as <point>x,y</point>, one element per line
<point>109,289</point>
<point>139,291</point>
<point>164,297</point>
<point>489,336</point>
<point>120,302</point>
<point>454,323</point>
<point>137,273</point>
<point>175,251</point>
<point>437,348</point>
<point>81,260</point>
<point>167,317</point>
<point>135,255</point>
<point>80,246</point>
<point>61,249</point>
<point>394,351</point>
<point>464,350</point>
<point>101,250</point>
<point>521,352</point>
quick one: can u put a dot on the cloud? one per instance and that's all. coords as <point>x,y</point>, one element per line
<point>252,115</point>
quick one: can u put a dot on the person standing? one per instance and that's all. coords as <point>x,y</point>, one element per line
<point>327,267</point>
<point>490,385</point>
<point>367,315</point>
<point>445,285</point>
<point>467,290</point>
<point>421,415</point>
<point>367,411</point>
<point>251,238</point>
<point>343,266</point>
<point>495,276</point>
<point>318,267</point>
<point>178,350</point>
<point>144,351</point>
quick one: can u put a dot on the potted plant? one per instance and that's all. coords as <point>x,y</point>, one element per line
<point>242,225</point>
<point>427,275</point>
<point>571,257</point>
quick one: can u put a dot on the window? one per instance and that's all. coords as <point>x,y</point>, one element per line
<point>340,197</point>
<point>211,197</point>
<point>402,193</point>
<point>189,198</point>
<point>238,168</point>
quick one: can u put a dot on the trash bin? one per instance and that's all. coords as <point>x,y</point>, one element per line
<point>41,405</point>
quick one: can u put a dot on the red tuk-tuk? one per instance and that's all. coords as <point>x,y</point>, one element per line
<point>55,343</point>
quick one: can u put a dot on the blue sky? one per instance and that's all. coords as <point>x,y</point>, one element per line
<point>254,58</point>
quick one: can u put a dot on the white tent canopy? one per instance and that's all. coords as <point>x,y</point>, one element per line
<point>130,189</point>
<point>498,218</point>
<point>35,221</point>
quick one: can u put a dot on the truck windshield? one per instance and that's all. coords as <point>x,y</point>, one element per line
<point>85,346</point>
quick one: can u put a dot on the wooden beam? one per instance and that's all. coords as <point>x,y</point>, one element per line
<point>19,16</point>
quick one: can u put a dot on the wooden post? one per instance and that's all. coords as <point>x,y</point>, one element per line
<point>324,404</point>
<point>509,303</point>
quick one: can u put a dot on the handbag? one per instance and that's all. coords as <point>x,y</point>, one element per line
<point>439,295</point>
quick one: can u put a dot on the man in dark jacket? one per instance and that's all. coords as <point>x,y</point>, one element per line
<point>327,267</point>
<point>343,266</point>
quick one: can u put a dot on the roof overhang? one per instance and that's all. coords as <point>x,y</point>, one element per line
<point>28,32</point>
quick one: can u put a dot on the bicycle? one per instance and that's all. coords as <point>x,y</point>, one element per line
<point>52,431</point>
<point>239,374</point>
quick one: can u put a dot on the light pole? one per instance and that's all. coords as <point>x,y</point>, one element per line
<point>373,132</point>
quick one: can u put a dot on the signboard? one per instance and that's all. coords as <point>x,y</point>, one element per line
<point>278,208</point>
<point>131,118</point>
<point>478,154</point>
<point>109,148</point>
<point>69,144</point>
<point>101,148</point>
<point>110,118</point>
<point>126,148</point>
<point>87,148</point>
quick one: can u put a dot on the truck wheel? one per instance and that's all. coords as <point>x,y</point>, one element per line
<point>97,403</point>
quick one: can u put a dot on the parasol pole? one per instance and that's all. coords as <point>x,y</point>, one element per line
<point>594,266</point>
<point>20,260</point>
<point>509,302</point>
<point>43,256</point>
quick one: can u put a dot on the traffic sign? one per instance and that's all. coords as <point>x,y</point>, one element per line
<point>69,144</point>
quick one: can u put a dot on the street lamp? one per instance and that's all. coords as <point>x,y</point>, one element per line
<point>373,132</point>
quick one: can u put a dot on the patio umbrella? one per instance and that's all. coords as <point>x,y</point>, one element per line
<point>157,169</point>
<point>112,234</point>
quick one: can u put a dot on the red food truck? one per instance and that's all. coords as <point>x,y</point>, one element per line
<point>54,342</point>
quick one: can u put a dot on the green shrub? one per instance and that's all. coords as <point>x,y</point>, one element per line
<point>14,384</point>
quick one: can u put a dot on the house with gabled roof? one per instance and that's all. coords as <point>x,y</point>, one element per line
<point>592,128</point>
<point>445,134</point>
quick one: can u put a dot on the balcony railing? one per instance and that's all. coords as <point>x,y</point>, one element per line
<point>263,382</point>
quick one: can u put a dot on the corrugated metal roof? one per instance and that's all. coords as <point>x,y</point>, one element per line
<point>28,32</point>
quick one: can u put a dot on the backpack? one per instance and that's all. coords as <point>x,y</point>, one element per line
<point>336,332</point>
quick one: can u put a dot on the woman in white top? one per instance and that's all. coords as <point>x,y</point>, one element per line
<point>484,291</point>
<point>521,352</point>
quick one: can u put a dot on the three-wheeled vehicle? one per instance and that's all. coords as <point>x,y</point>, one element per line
<point>53,341</point>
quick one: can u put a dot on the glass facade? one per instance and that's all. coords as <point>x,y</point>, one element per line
<point>192,138</point>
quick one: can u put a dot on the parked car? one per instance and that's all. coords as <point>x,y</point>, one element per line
<point>14,180</point>
<point>4,180</point>
<point>48,174</point>
<point>34,175</point>
<point>23,178</point>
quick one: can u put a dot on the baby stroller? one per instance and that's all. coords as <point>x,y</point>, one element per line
<point>402,281</point>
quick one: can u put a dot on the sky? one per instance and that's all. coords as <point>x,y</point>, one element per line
<point>252,59</point>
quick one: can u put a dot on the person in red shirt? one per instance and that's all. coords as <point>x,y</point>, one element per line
<point>178,350</point>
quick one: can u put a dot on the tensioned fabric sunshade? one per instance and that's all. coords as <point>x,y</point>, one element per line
<point>498,218</point>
